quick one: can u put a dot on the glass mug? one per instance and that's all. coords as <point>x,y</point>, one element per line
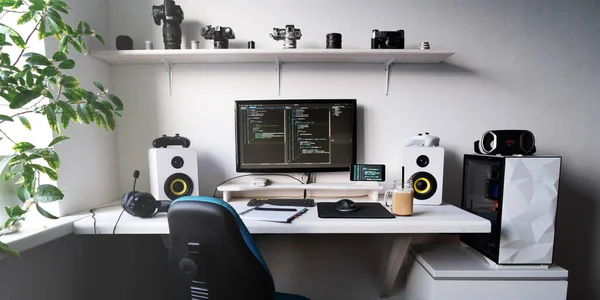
<point>402,198</point>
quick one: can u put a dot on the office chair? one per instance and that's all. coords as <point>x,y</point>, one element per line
<point>213,256</point>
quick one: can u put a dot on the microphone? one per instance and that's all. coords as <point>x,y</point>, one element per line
<point>136,175</point>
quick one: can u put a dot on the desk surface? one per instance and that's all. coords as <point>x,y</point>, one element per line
<point>444,218</point>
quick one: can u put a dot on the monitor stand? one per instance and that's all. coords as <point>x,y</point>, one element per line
<point>325,189</point>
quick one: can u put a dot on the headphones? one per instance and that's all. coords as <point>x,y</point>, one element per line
<point>140,204</point>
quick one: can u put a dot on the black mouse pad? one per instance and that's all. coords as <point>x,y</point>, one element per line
<point>367,210</point>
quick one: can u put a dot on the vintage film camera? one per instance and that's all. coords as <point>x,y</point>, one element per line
<point>387,39</point>
<point>289,35</point>
<point>171,15</point>
<point>220,34</point>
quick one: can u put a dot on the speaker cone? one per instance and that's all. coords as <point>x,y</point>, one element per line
<point>424,185</point>
<point>178,185</point>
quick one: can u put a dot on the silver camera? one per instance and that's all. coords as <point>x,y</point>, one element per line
<point>220,34</point>
<point>289,35</point>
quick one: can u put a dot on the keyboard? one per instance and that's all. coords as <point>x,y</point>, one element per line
<point>283,202</point>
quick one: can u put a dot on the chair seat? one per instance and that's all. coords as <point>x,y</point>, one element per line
<point>284,296</point>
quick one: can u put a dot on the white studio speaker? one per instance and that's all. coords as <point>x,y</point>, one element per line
<point>173,172</point>
<point>425,167</point>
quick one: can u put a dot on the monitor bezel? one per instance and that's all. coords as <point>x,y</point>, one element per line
<point>241,169</point>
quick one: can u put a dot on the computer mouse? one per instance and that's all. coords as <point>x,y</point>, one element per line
<point>345,205</point>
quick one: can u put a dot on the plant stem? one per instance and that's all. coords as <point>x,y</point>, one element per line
<point>18,114</point>
<point>27,40</point>
<point>7,136</point>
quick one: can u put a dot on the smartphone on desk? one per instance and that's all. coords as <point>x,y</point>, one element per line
<point>367,172</point>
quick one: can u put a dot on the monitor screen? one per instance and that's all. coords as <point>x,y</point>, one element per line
<point>295,135</point>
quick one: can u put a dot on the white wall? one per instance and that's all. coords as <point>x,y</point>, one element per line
<point>89,158</point>
<point>518,64</point>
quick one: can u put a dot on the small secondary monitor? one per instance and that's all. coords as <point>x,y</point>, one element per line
<point>295,135</point>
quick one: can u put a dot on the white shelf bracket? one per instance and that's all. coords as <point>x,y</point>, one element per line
<point>168,68</point>
<point>278,71</point>
<point>386,66</point>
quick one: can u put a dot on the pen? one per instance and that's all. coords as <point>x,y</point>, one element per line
<point>275,209</point>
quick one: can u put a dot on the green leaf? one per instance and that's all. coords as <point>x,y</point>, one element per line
<point>64,41</point>
<point>59,56</point>
<point>67,64</point>
<point>58,3</point>
<point>18,4</point>
<point>6,118</point>
<point>44,213</point>
<point>12,220</point>
<point>23,146</point>
<point>58,140</point>
<point>10,252</point>
<point>69,82</point>
<point>29,78</point>
<point>83,114</point>
<point>25,122</point>
<point>47,193</point>
<point>5,161</point>
<point>25,18</point>
<point>37,2</point>
<point>91,97</point>
<point>28,175</point>
<point>100,39</point>
<point>62,10</point>
<point>52,159</point>
<point>14,211</point>
<point>100,121</point>
<point>51,174</point>
<point>118,103</point>
<point>99,86</point>
<point>50,71</point>
<point>7,3</point>
<point>36,59</point>
<point>42,33</point>
<point>68,110</point>
<point>23,98</point>
<point>110,120</point>
<point>76,45</point>
<point>23,194</point>
<point>51,116</point>
<point>14,35</point>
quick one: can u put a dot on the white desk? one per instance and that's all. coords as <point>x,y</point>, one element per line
<point>426,219</point>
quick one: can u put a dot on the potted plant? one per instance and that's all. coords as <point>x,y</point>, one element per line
<point>35,84</point>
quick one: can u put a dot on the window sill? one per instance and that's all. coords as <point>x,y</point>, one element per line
<point>37,230</point>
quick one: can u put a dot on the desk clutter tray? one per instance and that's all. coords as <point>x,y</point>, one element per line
<point>367,210</point>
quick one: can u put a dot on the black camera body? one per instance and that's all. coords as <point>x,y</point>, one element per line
<point>171,15</point>
<point>387,39</point>
<point>220,34</point>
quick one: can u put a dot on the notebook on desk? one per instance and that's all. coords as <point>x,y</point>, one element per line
<point>273,213</point>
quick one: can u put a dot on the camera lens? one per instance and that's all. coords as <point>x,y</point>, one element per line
<point>423,161</point>
<point>177,162</point>
<point>395,42</point>
<point>333,40</point>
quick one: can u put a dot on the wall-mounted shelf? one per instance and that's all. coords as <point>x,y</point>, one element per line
<point>218,56</point>
<point>230,189</point>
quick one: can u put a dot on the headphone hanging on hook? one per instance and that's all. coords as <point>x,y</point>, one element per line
<point>140,204</point>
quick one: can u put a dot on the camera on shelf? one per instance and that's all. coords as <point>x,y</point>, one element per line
<point>387,39</point>
<point>220,34</point>
<point>171,15</point>
<point>289,35</point>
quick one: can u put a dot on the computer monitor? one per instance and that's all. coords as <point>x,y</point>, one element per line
<point>316,135</point>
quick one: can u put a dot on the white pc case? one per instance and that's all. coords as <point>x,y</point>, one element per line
<point>519,195</point>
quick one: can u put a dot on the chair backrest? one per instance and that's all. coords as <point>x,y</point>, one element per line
<point>212,255</point>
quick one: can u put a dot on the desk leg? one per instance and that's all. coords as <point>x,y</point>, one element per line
<point>397,256</point>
